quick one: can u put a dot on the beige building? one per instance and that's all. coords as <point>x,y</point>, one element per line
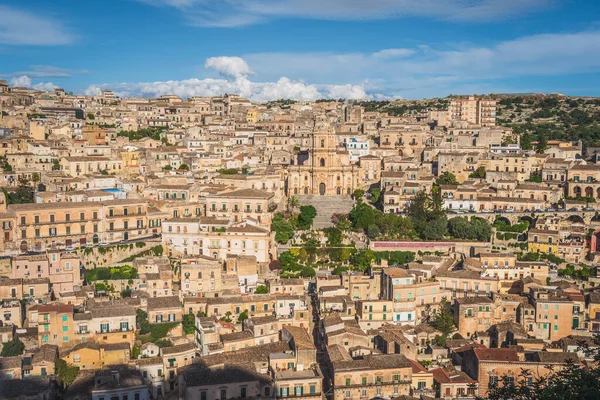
<point>474,111</point>
<point>376,376</point>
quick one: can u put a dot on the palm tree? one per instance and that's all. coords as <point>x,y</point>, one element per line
<point>292,202</point>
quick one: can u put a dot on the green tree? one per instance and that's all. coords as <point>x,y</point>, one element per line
<point>334,236</point>
<point>242,317</point>
<point>427,215</point>
<point>375,194</point>
<point>262,289</point>
<point>362,215</point>
<point>447,178</point>
<point>573,382</point>
<point>542,144</point>
<point>361,259</point>
<point>373,231</point>
<point>184,167</point>
<point>443,319</point>
<point>526,141</point>
<point>307,272</point>
<point>292,203</point>
<point>67,373</point>
<point>358,194</point>
<point>55,165</point>
<point>306,217</point>
<point>479,173</point>
<point>189,324</point>
<point>343,224</point>
<point>436,228</point>
<point>126,292</point>
<point>13,347</point>
<point>141,318</point>
<point>91,116</point>
<point>283,229</point>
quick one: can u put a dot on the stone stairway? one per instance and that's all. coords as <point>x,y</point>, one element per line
<point>326,206</point>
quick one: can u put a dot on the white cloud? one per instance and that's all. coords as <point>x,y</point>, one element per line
<point>49,71</point>
<point>45,86</point>
<point>410,73</point>
<point>393,53</point>
<point>229,13</point>
<point>19,27</point>
<point>283,88</point>
<point>92,90</point>
<point>229,67</point>
<point>235,69</point>
<point>21,81</point>
<point>25,81</point>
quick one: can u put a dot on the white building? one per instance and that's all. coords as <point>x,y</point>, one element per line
<point>357,148</point>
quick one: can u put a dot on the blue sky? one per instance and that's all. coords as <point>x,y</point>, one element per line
<point>306,49</point>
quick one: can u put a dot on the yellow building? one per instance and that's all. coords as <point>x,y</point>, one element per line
<point>543,241</point>
<point>55,325</point>
<point>96,356</point>
<point>69,224</point>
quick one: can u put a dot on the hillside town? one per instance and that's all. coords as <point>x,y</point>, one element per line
<point>216,248</point>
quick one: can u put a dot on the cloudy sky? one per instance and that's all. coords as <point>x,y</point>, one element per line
<point>302,49</point>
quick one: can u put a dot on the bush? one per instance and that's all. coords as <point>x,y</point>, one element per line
<point>66,373</point>
<point>163,343</point>
<point>307,272</point>
<point>189,322</point>
<point>262,289</point>
<point>12,348</point>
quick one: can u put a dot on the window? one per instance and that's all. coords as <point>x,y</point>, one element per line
<point>203,395</point>
<point>493,382</point>
<point>312,389</point>
<point>348,381</point>
<point>243,393</point>
<point>223,394</point>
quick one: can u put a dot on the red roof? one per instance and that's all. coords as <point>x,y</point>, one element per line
<point>59,308</point>
<point>496,354</point>
<point>417,367</point>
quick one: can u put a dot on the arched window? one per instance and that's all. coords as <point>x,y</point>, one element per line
<point>322,142</point>
<point>322,162</point>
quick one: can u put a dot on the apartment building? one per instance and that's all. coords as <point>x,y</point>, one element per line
<point>474,111</point>
<point>388,375</point>
<point>66,225</point>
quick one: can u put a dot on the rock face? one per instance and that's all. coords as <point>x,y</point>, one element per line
<point>326,206</point>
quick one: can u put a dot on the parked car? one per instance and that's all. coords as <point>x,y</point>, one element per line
<point>573,209</point>
<point>104,244</point>
<point>588,209</point>
<point>69,248</point>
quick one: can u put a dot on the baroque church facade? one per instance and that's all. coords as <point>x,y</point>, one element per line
<point>327,171</point>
